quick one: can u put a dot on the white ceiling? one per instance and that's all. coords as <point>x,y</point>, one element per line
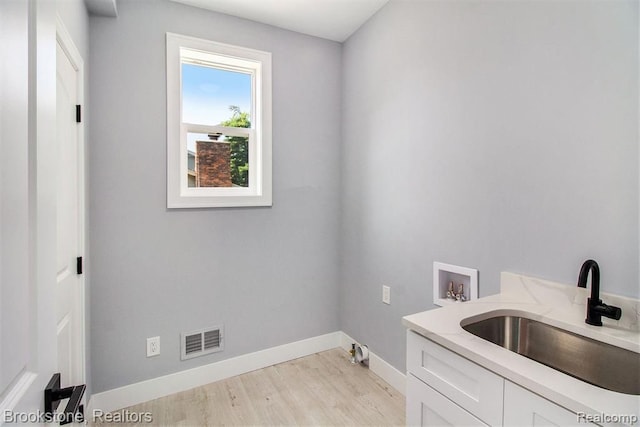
<point>102,7</point>
<point>330,19</point>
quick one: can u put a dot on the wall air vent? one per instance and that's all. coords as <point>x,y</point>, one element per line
<point>201,342</point>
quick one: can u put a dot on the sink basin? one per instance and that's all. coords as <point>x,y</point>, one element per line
<point>595,362</point>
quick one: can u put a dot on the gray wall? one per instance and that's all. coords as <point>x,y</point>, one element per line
<point>488,134</point>
<point>269,274</point>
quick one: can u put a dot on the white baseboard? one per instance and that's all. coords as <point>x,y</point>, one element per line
<point>387,372</point>
<point>166,385</point>
<point>155,388</point>
<point>379,366</point>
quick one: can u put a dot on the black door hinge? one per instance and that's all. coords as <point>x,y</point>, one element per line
<point>79,265</point>
<point>78,114</point>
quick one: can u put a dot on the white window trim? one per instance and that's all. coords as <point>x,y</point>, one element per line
<point>179,195</point>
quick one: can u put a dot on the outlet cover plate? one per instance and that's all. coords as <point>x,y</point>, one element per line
<point>153,346</point>
<point>386,294</point>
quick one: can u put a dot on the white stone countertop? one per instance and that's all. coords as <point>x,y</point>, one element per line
<point>556,304</point>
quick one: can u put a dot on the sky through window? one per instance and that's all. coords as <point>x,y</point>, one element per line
<point>208,92</point>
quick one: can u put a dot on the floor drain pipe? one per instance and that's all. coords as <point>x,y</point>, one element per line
<point>362,354</point>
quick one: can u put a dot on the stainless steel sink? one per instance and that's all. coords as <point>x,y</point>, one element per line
<point>595,362</point>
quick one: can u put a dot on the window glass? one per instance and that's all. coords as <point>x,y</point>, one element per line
<point>214,96</point>
<point>210,95</point>
<point>216,160</point>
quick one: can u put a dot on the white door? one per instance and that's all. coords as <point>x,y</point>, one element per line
<point>69,232</point>
<point>29,309</point>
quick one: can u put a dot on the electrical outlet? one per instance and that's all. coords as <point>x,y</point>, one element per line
<point>386,294</point>
<point>153,346</point>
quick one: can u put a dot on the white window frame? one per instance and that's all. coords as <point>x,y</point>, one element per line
<point>258,65</point>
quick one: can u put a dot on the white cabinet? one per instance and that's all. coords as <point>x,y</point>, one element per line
<point>469,385</point>
<point>524,408</point>
<point>444,388</point>
<point>427,407</point>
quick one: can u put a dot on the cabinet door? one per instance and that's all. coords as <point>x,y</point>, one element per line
<point>427,407</point>
<point>523,408</point>
<point>471,386</point>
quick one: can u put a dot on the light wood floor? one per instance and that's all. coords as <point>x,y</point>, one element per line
<point>321,389</point>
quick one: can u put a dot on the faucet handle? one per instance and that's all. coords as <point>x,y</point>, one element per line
<point>612,312</point>
<point>450,293</point>
<point>596,309</point>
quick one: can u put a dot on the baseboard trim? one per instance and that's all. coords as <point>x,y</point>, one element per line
<point>387,372</point>
<point>144,391</point>
<point>379,366</point>
<point>155,388</point>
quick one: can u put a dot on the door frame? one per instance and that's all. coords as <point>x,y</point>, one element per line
<point>73,54</point>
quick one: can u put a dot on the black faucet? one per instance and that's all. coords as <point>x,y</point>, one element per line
<point>595,307</point>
